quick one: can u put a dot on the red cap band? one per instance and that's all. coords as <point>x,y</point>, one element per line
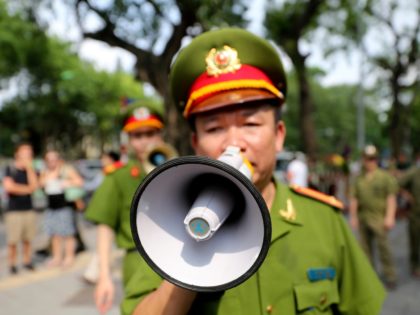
<point>133,123</point>
<point>246,77</point>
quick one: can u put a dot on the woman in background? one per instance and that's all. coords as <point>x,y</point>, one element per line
<point>59,223</point>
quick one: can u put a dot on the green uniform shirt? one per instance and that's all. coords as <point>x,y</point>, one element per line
<point>111,203</point>
<point>372,192</point>
<point>411,181</point>
<point>318,237</point>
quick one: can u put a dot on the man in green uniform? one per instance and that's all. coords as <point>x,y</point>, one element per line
<point>230,85</point>
<point>372,210</point>
<point>411,182</point>
<point>110,205</point>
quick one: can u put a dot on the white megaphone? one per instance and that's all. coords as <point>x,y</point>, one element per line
<point>201,223</point>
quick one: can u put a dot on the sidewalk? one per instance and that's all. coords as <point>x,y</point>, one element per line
<point>54,291</point>
<point>405,300</point>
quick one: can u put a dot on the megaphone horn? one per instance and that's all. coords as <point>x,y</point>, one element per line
<point>201,223</point>
<point>157,155</point>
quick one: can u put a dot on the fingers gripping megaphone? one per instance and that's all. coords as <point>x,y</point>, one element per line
<point>157,155</point>
<point>201,223</point>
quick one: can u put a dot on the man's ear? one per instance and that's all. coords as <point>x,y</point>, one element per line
<point>280,135</point>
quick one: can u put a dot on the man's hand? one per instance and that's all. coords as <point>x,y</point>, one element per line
<point>354,219</point>
<point>389,222</point>
<point>104,294</point>
<point>168,299</point>
<point>391,210</point>
<point>354,222</point>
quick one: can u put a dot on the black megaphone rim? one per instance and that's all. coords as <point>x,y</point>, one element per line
<point>236,174</point>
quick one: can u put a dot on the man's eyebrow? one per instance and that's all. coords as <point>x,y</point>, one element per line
<point>248,112</point>
<point>210,118</point>
<point>244,112</point>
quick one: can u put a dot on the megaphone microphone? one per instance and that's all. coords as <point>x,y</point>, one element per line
<point>214,204</point>
<point>201,223</point>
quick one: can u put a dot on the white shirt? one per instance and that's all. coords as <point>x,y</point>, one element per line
<point>297,173</point>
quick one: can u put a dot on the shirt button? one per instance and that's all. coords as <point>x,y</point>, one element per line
<point>323,299</point>
<point>269,309</point>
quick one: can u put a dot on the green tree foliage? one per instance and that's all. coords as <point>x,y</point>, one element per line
<point>17,39</point>
<point>414,123</point>
<point>64,101</point>
<point>153,32</point>
<point>292,24</point>
<point>335,117</point>
<point>397,65</point>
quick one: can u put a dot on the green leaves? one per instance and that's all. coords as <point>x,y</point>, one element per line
<point>65,100</point>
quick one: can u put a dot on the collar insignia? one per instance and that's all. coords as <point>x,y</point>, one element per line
<point>134,171</point>
<point>222,61</point>
<point>290,214</point>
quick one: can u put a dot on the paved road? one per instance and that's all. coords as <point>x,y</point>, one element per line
<point>63,292</point>
<point>52,291</point>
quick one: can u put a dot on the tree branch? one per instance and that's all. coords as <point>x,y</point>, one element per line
<point>414,46</point>
<point>107,35</point>
<point>156,7</point>
<point>311,10</point>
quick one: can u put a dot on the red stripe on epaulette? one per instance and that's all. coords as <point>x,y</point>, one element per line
<point>330,200</point>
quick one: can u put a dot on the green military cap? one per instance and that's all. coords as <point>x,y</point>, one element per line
<point>142,113</point>
<point>370,151</point>
<point>226,67</point>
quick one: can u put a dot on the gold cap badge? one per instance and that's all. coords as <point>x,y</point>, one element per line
<point>141,113</point>
<point>222,61</point>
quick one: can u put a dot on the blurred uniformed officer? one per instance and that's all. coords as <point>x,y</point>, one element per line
<point>110,205</point>
<point>411,182</point>
<point>373,208</point>
<point>230,85</point>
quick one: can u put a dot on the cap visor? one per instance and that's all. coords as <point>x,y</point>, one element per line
<point>232,97</point>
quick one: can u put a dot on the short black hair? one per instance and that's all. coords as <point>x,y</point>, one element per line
<point>22,144</point>
<point>115,156</point>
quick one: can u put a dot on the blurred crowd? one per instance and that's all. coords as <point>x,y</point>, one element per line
<point>45,196</point>
<point>375,191</point>
<point>56,189</point>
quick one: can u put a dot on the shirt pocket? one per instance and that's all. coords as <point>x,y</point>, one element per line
<point>316,297</point>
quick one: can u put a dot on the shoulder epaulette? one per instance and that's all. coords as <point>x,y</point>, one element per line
<point>330,200</point>
<point>109,169</point>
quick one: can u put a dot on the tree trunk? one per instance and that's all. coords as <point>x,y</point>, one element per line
<point>396,122</point>
<point>306,107</point>
<point>177,130</point>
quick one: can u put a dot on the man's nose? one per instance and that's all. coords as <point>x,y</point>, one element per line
<point>234,138</point>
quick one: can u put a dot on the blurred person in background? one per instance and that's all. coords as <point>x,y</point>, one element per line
<point>297,170</point>
<point>111,162</point>
<point>59,223</point>
<point>410,181</point>
<point>110,205</point>
<point>19,182</point>
<point>373,210</point>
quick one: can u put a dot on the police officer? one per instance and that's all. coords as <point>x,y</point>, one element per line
<point>373,208</point>
<point>111,162</point>
<point>110,205</point>
<point>410,181</point>
<point>230,85</point>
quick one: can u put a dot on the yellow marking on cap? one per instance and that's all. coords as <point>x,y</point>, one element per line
<point>229,85</point>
